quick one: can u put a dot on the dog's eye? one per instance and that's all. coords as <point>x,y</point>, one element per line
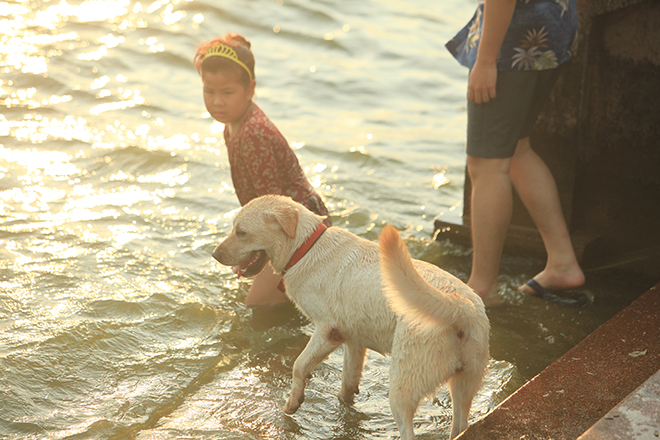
<point>240,233</point>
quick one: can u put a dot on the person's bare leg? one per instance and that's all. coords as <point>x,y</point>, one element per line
<point>264,289</point>
<point>537,189</point>
<point>492,202</point>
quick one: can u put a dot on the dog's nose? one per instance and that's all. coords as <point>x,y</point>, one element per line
<point>217,254</point>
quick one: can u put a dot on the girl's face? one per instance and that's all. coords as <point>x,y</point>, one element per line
<point>225,98</point>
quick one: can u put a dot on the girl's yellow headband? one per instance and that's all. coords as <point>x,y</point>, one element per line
<point>222,50</point>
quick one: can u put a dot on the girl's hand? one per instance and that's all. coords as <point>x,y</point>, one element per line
<point>481,85</point>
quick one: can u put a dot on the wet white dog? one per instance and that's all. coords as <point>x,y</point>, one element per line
<point>362,297</point>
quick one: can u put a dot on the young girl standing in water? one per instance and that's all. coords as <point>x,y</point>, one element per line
<point>260,158</point>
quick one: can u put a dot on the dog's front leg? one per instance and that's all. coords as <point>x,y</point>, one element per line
<point>317,349</point>
<point>352,371</point>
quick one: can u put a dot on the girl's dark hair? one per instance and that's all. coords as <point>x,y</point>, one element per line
<point>214,64</point>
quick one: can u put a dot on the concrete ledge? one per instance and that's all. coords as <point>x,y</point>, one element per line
<point>518,238</point>
<point>637,417</point>
<point>581,387</point>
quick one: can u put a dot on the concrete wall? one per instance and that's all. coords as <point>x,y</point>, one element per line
<point>600,135</point>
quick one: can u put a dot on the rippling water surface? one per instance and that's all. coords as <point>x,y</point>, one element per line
<point>115,187</point>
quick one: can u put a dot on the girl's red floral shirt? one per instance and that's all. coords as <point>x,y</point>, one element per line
<point>262,162</point>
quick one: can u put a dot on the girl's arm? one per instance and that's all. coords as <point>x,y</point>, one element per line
<point>483,76</point>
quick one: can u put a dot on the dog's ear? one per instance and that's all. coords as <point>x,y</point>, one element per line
<point>287,218</point>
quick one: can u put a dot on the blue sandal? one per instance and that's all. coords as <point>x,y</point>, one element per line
<point>567,298</point>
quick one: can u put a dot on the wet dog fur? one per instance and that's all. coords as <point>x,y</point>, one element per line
<point>365,296</point>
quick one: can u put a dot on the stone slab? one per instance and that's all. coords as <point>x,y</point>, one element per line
<point>636,417</point>
<point>582,386</point>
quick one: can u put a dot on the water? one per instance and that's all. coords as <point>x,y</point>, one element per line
<point>115,322</point>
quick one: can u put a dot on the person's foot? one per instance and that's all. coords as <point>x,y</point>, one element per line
<point>556,280</point>
<point>492,300</point>
<point>490,297</point>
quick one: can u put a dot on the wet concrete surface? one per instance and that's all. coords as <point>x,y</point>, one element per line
<point>575,392</point>
<point>636,417</point>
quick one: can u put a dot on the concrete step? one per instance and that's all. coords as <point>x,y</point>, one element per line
<point>575,392</point>
<point>636,417</point>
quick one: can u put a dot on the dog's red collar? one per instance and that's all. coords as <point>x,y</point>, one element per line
<point>306,246</point>
<point>302,250</point>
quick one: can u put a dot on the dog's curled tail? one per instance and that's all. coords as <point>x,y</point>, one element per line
<point>411,295</point>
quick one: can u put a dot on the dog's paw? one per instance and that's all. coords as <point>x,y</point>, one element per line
<point>348,394</point>
<point>293,404</point>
